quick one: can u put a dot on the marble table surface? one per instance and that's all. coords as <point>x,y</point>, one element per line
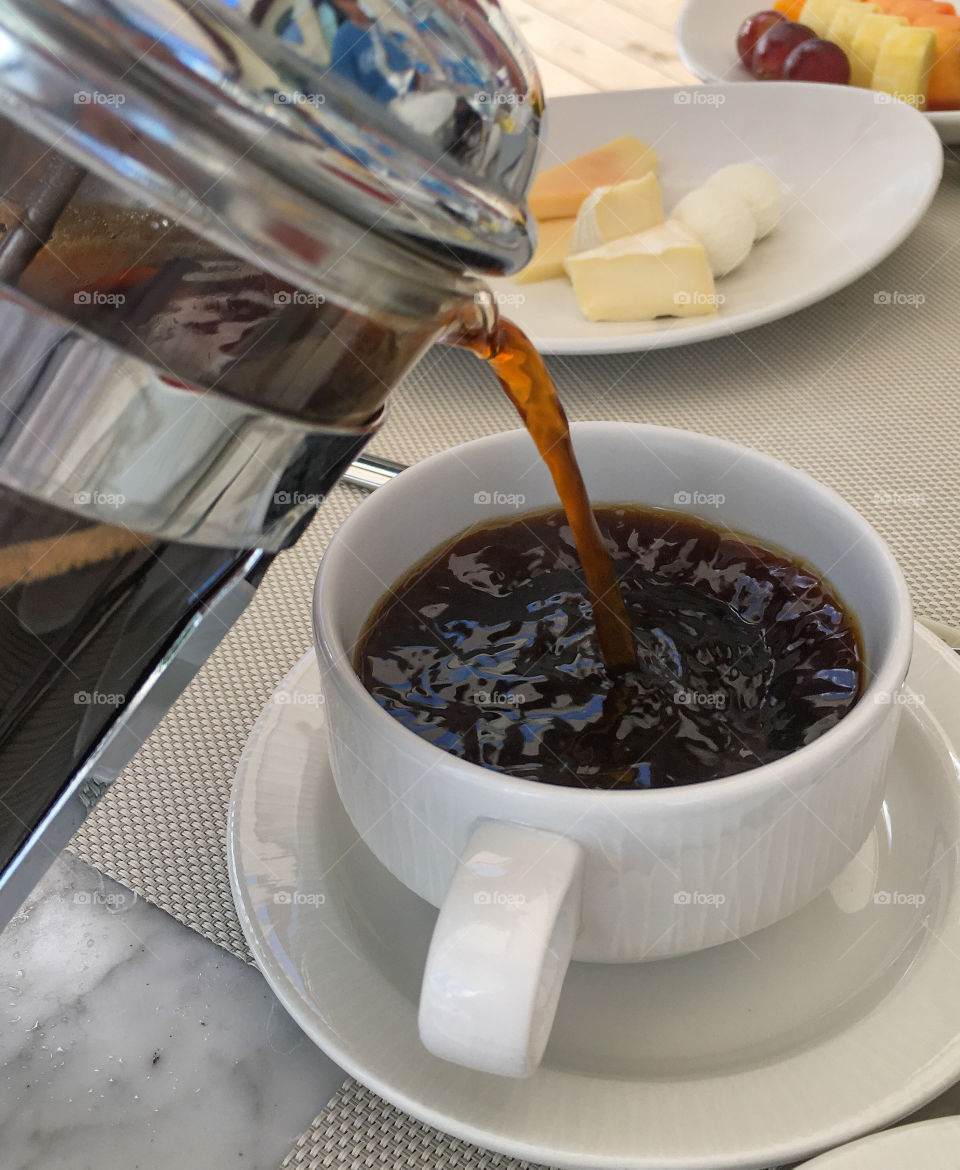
<point>128,1040</point>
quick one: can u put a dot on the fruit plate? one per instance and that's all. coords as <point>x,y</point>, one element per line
<point>858,176</point>
<point>706,37</point>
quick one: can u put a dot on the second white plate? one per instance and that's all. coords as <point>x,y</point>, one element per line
<point>858,176</point>
<point>706,39</point>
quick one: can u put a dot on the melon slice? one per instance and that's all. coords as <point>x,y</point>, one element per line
<point>559,191</point>
<point>943,91</point>
<point>553,243</point>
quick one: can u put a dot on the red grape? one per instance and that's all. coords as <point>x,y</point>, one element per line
<point>775,46</point>
<point>817,60</point>
<point>753,29</point>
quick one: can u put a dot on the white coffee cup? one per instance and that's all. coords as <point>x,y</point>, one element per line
<point>528,875</point>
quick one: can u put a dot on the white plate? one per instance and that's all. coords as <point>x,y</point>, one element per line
<point>858,177</point>
<point>830,1024</point>
<point>706,39</point>
<point>931,1145</point>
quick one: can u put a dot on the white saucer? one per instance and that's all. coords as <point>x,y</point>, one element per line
<point>706,41</point>
<point>838,1021</point>
<point>932,1145</point>
<point>858,177</point>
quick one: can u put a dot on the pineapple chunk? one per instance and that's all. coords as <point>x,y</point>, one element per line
<point>904,64</point>
<point>846,21</point>
<point>866,46</point>
<point>817,14</point>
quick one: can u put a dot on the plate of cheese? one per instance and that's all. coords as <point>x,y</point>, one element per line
<point>668,216</point>
<point>919,38</point>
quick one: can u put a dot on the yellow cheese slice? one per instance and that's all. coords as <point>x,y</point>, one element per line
<point>553,243</point>
<point>622,210</point>
<point>662,272</point>
<point>559,191</point>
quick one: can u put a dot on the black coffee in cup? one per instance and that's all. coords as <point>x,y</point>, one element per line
<point>488,649</point>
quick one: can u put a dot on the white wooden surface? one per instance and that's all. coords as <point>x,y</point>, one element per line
<point>585,45</point>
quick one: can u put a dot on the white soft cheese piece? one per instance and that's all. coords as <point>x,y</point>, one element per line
<point>761,190</point>
<point>722,221</point>
<point>662,272</point>
<point>610,213</point>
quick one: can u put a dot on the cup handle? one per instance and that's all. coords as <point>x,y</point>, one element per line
<point>500,949</point>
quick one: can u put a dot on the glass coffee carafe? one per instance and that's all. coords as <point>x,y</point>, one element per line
<point>226,231</point>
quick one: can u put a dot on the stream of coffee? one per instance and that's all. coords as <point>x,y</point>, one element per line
<point>527,383</point>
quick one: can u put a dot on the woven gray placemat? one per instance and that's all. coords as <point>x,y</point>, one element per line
<point>860,391</point>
